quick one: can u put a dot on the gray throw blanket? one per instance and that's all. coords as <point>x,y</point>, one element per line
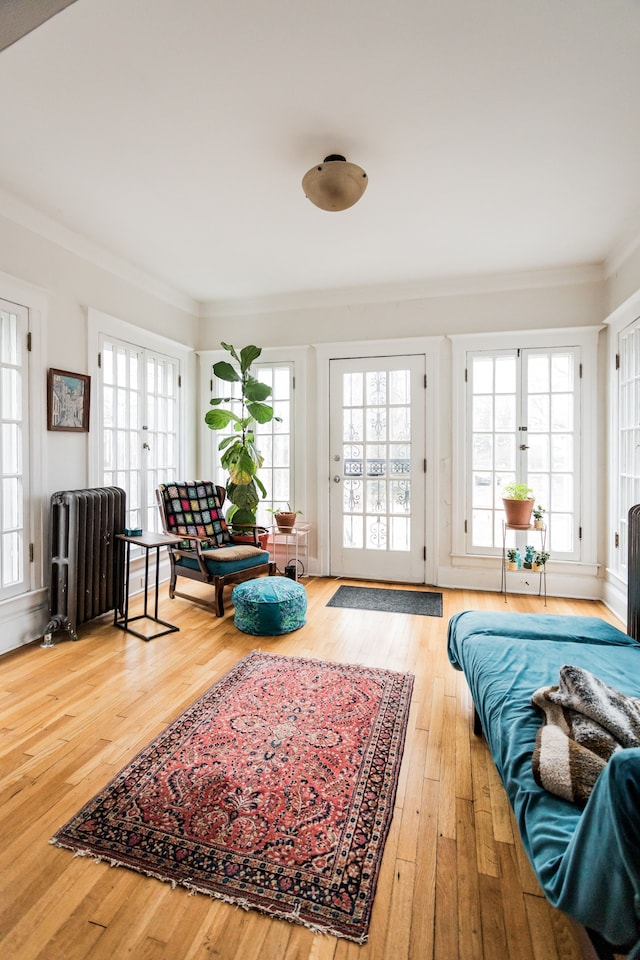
<point>584,722</point>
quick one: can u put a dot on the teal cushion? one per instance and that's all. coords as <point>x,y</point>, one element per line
<point>219,568</point>
<point>270,606</point>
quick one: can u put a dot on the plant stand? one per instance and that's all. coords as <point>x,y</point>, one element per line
<point>542,573</point>
<point>291,547</point>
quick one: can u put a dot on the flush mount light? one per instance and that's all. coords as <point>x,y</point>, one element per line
<point>335,184</point>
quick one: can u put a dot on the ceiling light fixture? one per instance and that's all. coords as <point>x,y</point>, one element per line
<point>335,184</point>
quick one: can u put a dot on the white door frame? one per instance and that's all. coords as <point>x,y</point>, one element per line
<point>325,352</point>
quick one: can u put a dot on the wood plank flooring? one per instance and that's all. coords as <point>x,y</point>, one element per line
<point>454,884</point>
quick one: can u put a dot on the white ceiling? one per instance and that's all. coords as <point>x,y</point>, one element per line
<point>497,136</point>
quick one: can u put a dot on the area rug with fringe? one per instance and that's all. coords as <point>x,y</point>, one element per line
<point>273,791</point>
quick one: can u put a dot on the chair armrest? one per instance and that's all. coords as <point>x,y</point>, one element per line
<point>196,543</point>
<point>244,529</point>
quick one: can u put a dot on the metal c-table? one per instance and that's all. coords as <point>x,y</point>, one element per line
<point>148,542</point>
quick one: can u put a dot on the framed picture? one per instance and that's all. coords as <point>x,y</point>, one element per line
<point>68,397</point>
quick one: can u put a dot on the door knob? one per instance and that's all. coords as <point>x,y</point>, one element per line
<point>336,479</point>
<point>524,446</point>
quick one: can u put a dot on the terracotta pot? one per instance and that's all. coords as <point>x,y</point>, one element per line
<point>518,512</point>
<point>263,539</point>
<point>285,521</point>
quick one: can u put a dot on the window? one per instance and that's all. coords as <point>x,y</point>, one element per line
<point>628,404</point>
<point>274,439</point>
<point>523,411</point>
<point>139,399</point>
<point>14,450</point>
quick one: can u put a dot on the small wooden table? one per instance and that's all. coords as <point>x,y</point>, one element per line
<point>148,542</point>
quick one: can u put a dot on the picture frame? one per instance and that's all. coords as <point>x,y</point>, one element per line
<point>68,401</point>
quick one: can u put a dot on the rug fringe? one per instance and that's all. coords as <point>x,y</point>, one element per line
<point>292,916</point>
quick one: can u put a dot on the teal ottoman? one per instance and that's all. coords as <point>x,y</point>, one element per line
<point>269,606</point>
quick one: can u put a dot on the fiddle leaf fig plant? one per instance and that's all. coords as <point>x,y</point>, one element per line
<point>239,453</point>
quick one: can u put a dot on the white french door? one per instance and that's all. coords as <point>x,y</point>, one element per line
<point>377,463</point>
<point>140,415</point>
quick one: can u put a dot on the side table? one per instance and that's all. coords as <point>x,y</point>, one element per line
<point>148,542</point>
<point>293,545</point>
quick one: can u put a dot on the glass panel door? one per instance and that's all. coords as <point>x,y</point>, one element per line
<point>377,443</point>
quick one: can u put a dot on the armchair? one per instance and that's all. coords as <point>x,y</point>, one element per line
<point>209,551</point>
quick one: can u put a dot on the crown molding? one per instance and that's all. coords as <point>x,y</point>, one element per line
<point>464,285</point>
<point>18,211</point>
<point>23,214</point>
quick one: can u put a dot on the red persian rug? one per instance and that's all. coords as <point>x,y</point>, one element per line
<point>273,791</point>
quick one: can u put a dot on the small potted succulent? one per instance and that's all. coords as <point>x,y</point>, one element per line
<point>512,558</point>
<point>539,560</point>
<point>538,515</point>
<point>518,504</point>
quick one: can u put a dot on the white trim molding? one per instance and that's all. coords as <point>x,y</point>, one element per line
<point>16,210</point>
<point>462,285</point>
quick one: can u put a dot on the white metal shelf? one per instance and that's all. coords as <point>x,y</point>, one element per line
<point>542,531</point>
<point>291,546</point>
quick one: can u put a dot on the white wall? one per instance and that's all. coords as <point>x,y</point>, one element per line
<point>65,284</point>
<point>522,302</point>
<point>71,279</point>
<point>526,302</point>
<point>623,276</point>
<point>71,284</point>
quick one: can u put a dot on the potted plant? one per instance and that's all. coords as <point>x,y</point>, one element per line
<point>538,514</point>
<point>512,558</point>
<point>240,456</point>
<point>285,519</point>
<point>539,560</point>
<point>518,504</point>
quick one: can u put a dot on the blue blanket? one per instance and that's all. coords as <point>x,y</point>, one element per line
<point>587,862</point>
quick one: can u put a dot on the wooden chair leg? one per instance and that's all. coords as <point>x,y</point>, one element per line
<point>219,599</point>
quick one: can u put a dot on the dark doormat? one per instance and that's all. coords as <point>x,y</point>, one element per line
<point>420,602</point>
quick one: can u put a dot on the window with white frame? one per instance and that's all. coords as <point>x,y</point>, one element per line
<point>628,437</point>
<point>274,439</point>
<point>14,450</point>
<point>523,412</point>
<point>139,421</point>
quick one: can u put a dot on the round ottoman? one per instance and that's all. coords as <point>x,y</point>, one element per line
<point>269,606</point>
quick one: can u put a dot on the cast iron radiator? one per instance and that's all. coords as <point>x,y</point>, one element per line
<point>633,571</point>
<point>87,561</point>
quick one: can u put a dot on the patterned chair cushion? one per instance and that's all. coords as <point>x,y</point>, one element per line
<point>270,606</point>
<point>194,508</point>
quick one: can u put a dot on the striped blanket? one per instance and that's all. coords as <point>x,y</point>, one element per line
<point>583,723</point>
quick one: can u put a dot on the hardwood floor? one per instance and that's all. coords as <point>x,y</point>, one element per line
<point>454,885</point>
